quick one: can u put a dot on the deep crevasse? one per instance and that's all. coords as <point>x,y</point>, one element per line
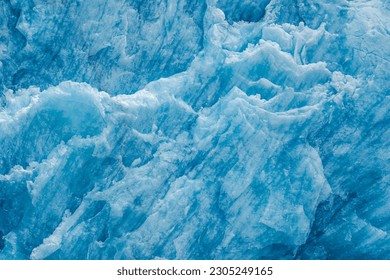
<point>262,135</point>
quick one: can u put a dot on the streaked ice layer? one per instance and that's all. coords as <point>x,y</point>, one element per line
<point>264,136</point>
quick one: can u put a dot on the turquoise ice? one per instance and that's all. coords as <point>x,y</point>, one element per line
<point>183,129</point>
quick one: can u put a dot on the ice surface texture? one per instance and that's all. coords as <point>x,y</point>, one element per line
<point>201,129</point>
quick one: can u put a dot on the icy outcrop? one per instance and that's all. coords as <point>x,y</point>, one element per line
<point>214,133</point>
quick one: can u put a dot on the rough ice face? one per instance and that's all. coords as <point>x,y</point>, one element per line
<point>254,133</point>
<point>115,45</point>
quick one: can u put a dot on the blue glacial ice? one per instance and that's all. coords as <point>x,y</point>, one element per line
<point>206,129</point>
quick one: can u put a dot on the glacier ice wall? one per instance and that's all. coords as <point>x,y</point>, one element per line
<point>194,129</point>
<point>117,46</point>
